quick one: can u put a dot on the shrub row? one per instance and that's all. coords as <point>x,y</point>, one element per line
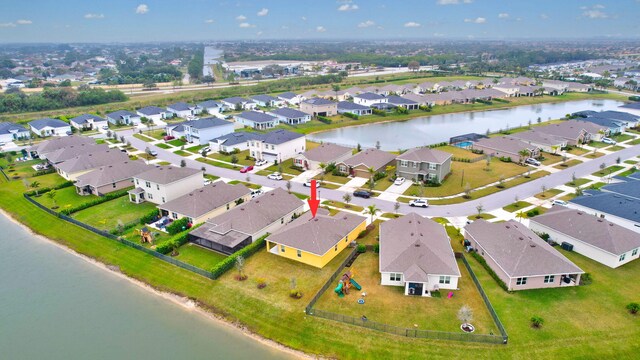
<point>150,217</point>
<point>46,190</point>
<point>98,201</point>
<point>533,212</point>
<point>176,241</point>
<point>44,172</point>
<point>178,226</point>
<point>444,143</point>
<point>506,159</point>
<point>350,115</point>
<point>378,112</point>
<point>484,264</point>
<point>464,160</point>
<point>225,265</point>
<point>324,119</point>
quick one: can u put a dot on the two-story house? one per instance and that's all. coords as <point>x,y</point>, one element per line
<point>154,113</point>
<point>123,117</point>
<point>183,110</point>
<point>319,107</point>
<point>165,183</point>
<point>202,130</point>
<point>368,99</point>
<point>424,164</point>
<point>277,145</point>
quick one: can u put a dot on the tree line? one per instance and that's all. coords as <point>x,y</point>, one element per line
<point>57,98</point>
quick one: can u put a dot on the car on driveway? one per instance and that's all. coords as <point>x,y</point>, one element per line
<point>362,193</point>
<point>308,183</point>
<point>559,202</point>
<point>261,162</point>
<point>419,203</point>
<point>207,182</point>
<point>168,137</point>
<point>399,181</point>
<point>153,153</point>
<point>246,169</point>
<point>532,161</point>
<point>608,141</point>
<point>256,192</point>
<point>274,176</point>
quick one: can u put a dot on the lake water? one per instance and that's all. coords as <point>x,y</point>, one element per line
<point>54,305</point>
<point>438,128</point>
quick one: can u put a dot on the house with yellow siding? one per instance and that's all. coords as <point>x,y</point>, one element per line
<point>316,240</point>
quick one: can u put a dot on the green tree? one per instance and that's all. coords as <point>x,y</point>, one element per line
<point>537,321</point>
<point>52,196</point>
<point>371,210</point>
<point>347,199</point>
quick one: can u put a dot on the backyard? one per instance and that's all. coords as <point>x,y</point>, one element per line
<point>64,198</point>
<point>198,256</point>
<point>108,215</point>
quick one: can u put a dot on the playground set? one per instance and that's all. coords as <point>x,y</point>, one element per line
<point>346,282</point>
<point>145,236</point>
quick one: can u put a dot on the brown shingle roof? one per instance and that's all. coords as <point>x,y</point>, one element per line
<point>112,173</point>
<point>326,153</point>
<point>167,174</point>
<point>370,158</point>
<point>206,199</point>
<point>92,161</point>
<point>425,154</point>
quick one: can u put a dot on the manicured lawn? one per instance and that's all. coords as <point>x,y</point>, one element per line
<point>342,205</point>
<point>615,148</point>
<point>597,185</point>
<point>182,153</point>
<point>218,164</point>
<point>106,216</point>
<point>578,151</point>
<point>631,162</point>
<point>622,137</point>
<point>593,155</point>
<point>164,163</point>
<point>568,164</point>
<point>156,134</point>
<point>549,193</point>
<point>517,206</point>
<point>551,159</point>
<point>287,168</point>
<point>46,181</point>
<point>65,198</point>
<point>333,178</point>
<point>634,142</point>
<point>578,182</point>
<point>241,157</point>
<point>143,138</point>
<point>389,305</point>
<point>196,149</point>
<point>541,210</point>
<point>598,144</point>
<point>198,256</point>
<point>609,170</point>
<point>163,146</point>
<point>380,185</point>
<point>567,197</point>
<point>100,141</point>
<point>249,185</point>
<point>176,142</point>
<point>484,216</point>
<point>21,169</point>
<point>628,172</point>
<point>459,153</point>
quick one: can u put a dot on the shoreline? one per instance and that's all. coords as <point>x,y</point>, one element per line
<point>183,302</point>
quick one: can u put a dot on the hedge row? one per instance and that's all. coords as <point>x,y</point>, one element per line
<point>44,172</point>
<point>324,119</point>
<point>350,115</point>
<point>98,201</point>
<point>150,217</point>
<point>177,241</point>
<point>46,190</point>
<point>178,226</point>
<point>228,263</point>
<point>493,274</point>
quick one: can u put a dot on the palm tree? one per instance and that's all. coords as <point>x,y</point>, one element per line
<point>322,166</point>
<point>371,210</point>
<point>35,185</point>
<point>524,153</point>
<point>52,196</point>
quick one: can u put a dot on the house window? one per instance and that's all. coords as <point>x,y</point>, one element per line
<point>150,195</point>
<point>163,201</point>
<point>414,164</point>
<point>549,279</point>
<point>114,185</point>
<point>445,280</point>
<point>228,206</point>
<point>137,182</point>
<point>335,248</point>
<point>395,277</point>
<point>299,253</point>
<point>432,166</point>
<point>148,184</point>
<point>282,221</point>
<point>521,281</point>
<point>622,257</point>
<point>174,215</point>
<point>282,248</point>
<point>158,186</point>
<point>634,252</point>
<point>343,168</point>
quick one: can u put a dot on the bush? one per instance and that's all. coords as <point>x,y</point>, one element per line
<point>506,159</point>
<point>362,248</point>
<point>378,112</point>
<point>228,263</point>
<point>295,294</point>
<point>261,283</point>
<point>324,119</point>
<point>178,226</point>
<point>150,217</point>
<point>586,279</point>
<point>168,246</point>
<point>376,248</point>
<point>98,201</point>
<point>633,307</point>
<point>352,116</point>
<point>537,321</point>
<point>46,190</point>
<point>492,273</point>
<point>533,212</point>
<point>440,144</point>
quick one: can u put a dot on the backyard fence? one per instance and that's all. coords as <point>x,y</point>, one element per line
<point>309,309</point>
<point>3,173</point>
<point>128,243</point>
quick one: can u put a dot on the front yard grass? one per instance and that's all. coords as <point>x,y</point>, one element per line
<point>634,142</point>
<point>598,144</point>
<point>593,155</point>
<point>578,182</point>
<point>578,151</point>
<point>177,142</point>
<point>628,172</point>
<point>568,164</point>
<point>218,163</point>
<point>389,305</point>
<point>287,168</point>
<point>334,178</point>
<point>517,206</point>
<point>547,194</point>
<point>143,138</point>
<point>163,146</point>
<point>241,157</point>
<point>597,185</point>
<point>607,171</point>
<point>198,256</point>
<point>105,216</point>
<point>247,184</point>
<point>342,205</point>
<point>182,153</point>
<point>622,137</point>
<point>615,148</point>
<point>196,149</point>
<point>164,163</point>
<point>484,216</point>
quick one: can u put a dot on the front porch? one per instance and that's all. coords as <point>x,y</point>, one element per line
<point>417,288</point>
<point>570,280</point>
<point>136,195</point>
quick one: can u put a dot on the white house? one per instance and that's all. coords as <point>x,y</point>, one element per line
<point>235,140</point>
<point>202,130</point>
<point>353,108</point>
<point>416,253</point>
<point>50,127</point>
<point>277,145</point>
<point>267,100</point>
<point>165,183</point>
<point>594,237</point>
<point>10,132</point>
<point>154,113</point>
<point>290,116</point>
<point>212,107</point>
<point>291,98</point>
<point>368,99</point>
<point>183,110</point>
<point>236,102</point>
<point>123,117</point>
<point>89,122</point>
<point>257,120</point>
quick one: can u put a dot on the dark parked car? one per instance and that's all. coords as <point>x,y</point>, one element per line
<point>362,193</point>
<point>168,137</point>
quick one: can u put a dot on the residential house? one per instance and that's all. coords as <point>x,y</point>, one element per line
<point>519,257</point>
<point>620,209</point>
<point>613,126</point>
<point>50,127</point>
<point>277,146</point>
<point>206,202</point>
<point>416,253</point>
<point>325,153</point>
<point>290,98</point>
<point>236,140</point>
<point>238,103</point>
<point>424,164</point>
<point>392,89</point>
<point>267,101</point>
<point>176,130</point>
<point>359,164</point>
<point>402,101</point>
<point>69,152</point>
<point>632,108</point>
<point>48,146</point>
<point>155,114</point>
<point>89,122</point>
<point>424,87</point>
<point>165,183</point>
<point>246,223</point>
<point>631,120</point>
<point>183,110</point>
<point>290,116</point>
<point>11,132</point>
<point>507,147</point>
<point>257,120</point>
<point>417,98</point>
<point>202,130</point>
<point>596,238</point>
<point>353,108</point>
<point>71,168</point>
<point>211,107</point>
<point>316,240</point>
<point>368,99</point>
<point>123,117</point>
<point>543,141</point>
<point>575,132</point>
<point>109,178</point>
<point>319,107</point>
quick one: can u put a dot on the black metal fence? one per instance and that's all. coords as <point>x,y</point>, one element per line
<point>110,236</point>
<point>3,173</point>
<point>309,309</point>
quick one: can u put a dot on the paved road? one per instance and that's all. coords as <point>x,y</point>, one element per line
<point>489,202</point>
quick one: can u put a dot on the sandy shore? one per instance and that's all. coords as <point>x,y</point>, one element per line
<point>183,302</point>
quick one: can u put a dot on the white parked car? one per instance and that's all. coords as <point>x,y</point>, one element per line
<point>308,183</point>
<point>559,202</point>
<point>608,141</point>
<point>207,182</point>
<point>256,192</point>
<point>419,203</point>
<point>532,161</point>
<point>399,181</point>
<point>261,162</point>
<point>275,176</point>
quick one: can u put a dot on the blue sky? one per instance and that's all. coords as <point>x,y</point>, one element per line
<point>174,20</point>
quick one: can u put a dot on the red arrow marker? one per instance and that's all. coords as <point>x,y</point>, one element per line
<point>313,201</point>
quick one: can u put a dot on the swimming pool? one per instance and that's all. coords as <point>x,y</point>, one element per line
<point>464,144</point>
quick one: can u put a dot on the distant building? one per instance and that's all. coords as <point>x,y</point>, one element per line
<point>257,120</point>
<point>123,117</point>
<point>290,116</point>
<point>89,122</point>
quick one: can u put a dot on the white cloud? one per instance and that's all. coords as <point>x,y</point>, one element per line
<point>7,25</point>
<point>598,6</point>
<point>246,25</point>
<point>453,2</point>
<point>24,22</point>
<point>544,16</point>
<point>594,12</point>
<point>209,21</point>
<point>94,16</point>
<point>241,18</point>
<point>263,12</point>
<point>259,33</point>
<point>503,16</point>
<point>478,20</point>
<point>366,24</point>
<point>412,24</point>
<point>321,29</point>
<point>304,18</point>
<point>348,7</point>
<point>142,9</point>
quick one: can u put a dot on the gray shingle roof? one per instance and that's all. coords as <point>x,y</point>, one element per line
<point>399,100</point>
<point>112,173</point>
<point>207,123</point>
<point>371,158</point>
<point>633,105</point>
<point>417,247</point>
<point>83,119</point>
<point>289,113</point>
<point>264,98</point>
<point>42,123</point>
<point>235,100</point>
<point>611,203</point>
<point>326,153</point>
<point>287,95</point>
<point>8,128</point>
<point>256,116</point>
<point>92,160</point>
<point>504,144</point>
<point>570,129</point>
<point>151,110</point>
<point>280,136</point>
<point>209,104</point>
<point>369,96</point>
<point>120,114</point>
<point>237,138</point>
<point>206,199</point>
<point>348,105</point>
<point>317,235</point>
<point>72,151</point>
<point>54,144</point>
<point>590,229</point>
<point>539,137</point>
<point>424,154</point>
<point>319,101</point>
<point>167,174</point>
<point>518,250</point>
<point>629,188</point>
<point>180,106</point>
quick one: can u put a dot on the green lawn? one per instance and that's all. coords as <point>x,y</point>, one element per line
<point>19,169</point>
<point>459,153</point>
<point>287,168</point>
<point>607,171</point>
<point>634,142</point>
<point>597,185</point>
<point>631,162</point>
<point>334,178</point>
<point>615,148</point>
<point>568,164</point>
<point>549,193</point>
<point>218,164</point>
<point>156,134</point>
<point>164,163</point>
<point>628,172</point>
<point>578,182</point>
<point>342,205</point>
<point>64,198</point>
<point>106,216</point>
<point>598,144</point>
<point>484,216</point>
<point>380,185</point>
<point>198,256</point>
<point>578,151</point>
<point>177,142</point>
<point>143,138</point>
<point>163,146</point>
<point>182,153</point>
<point>541,210</point>
<point>592,155</point>
<point>249,185</point>
<point>567,197</point>
<point>196,149</point>
<point>241,157</point>
<point>517,206</point>
<point>622,137</point>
